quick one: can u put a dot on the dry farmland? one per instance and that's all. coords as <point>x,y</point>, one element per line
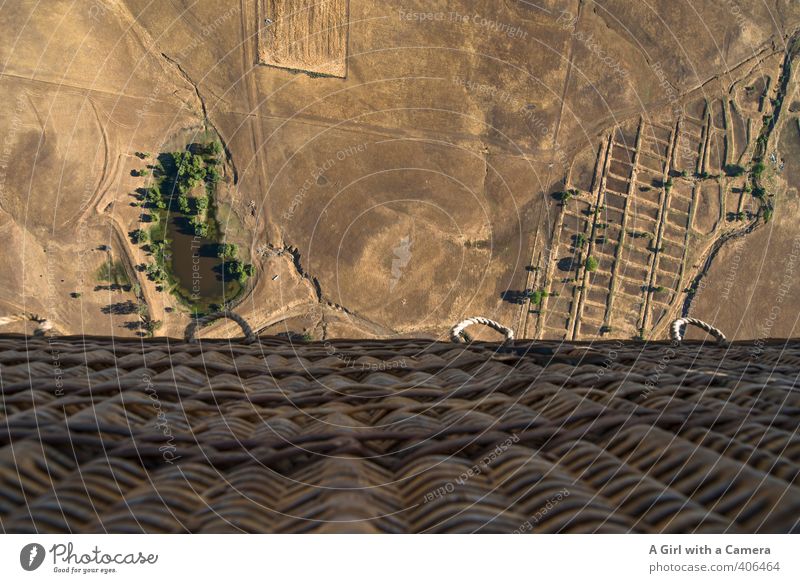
<point>381,169</point>
<point>307,35</point>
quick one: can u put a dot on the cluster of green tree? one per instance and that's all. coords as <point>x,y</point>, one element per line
<point>239,270</point>
<point>191,169</point>
<point>228,251</point>
<point>156,271</point>
<point>233,266</point>
<point>199,225</point>
<point>196,165</point>
<point>567,195</point>
<point>211,149</point>
<point>538,296</point>
<point>154,199</point>
<point>759,192</point>
<point>150,326</point>
<point>139,236</point>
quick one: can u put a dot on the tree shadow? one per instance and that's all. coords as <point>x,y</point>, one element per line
<point>514,296</point>
<point>121,308</point>
<point>566,264</point>
<point>114,287</point>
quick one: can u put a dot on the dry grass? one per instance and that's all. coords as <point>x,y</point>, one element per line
<point>307,35</point>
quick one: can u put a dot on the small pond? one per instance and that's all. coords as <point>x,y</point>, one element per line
<point>195,266</point>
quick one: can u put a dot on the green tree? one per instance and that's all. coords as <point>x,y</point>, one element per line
<point>591,264</point>
<point>565,196</point>
<point>212,175</point>
<point>227,251</point>
<point>154,272</point>
<point>154,199</point>
<point>200,226</point>
<point>139,236</point>
<point>183,204</point>
<point>538,296</point>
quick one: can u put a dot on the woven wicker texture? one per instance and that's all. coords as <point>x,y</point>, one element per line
<point>123,435</point>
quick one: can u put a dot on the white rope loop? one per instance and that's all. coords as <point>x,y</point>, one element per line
<point>191,329</point>
<point>457,333</point>
<point>677,334</point>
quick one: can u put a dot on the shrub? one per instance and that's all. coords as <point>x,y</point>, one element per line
<point>113,272</point>
<point>213,176</point>
<point>189,165</point>
<point>564,196</point>
<point>154,272</point>
<point>153,198</point>
<point>139,236</point>
<point>768,211</point>
<point>227,251</point>
<point>758,169</point>
<point>151,325</point>
<point>238,270</point>
<point>200,226</point>
<point>591,264</point>
<point>538,296</point>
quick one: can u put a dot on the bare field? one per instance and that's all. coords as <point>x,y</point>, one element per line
<point>310,35</point>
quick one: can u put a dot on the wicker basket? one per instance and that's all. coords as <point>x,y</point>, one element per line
<point>128,435</point>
